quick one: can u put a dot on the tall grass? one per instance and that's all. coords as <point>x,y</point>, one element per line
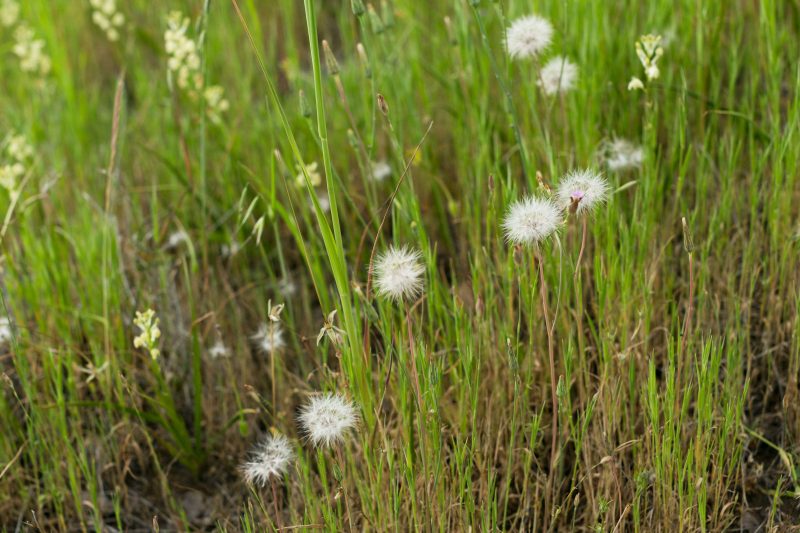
<point>676,373</point>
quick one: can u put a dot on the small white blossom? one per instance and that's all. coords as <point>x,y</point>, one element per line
<point>150,333</point>
<point>313,175</point>
<point>327,418</point>
<point>528,36</point>
<point>9,12</point>
<point>398,273</point>
<point>623,155</point>
<point>30,51</point>
<point>635,84</point>
<point>558,75</point>
<point>649,51</point>
<point>269,337</point>
<point>106,17</point>
<point>531,220</point>
<point>581,191</point>
<point>270,458</point>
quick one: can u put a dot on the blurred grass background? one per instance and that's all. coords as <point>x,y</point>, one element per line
<point>204,222</point>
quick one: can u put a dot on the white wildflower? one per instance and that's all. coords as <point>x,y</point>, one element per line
<point>327,418</point>
<point>183,58</point>
<point>269,337</point>
<point>216,104</point>
<point>398,273</point>
<point>558,75</point>
<point>106,16</point>
<point>9,12</point>
<point>150,333</point>
<point>313,176</point>
<point>531,220</point>
<point>30,51</point>
<point>581,191</point>
<point>380,171</point>
<point>17,153</point>
<point>528,36</point>
<point>635,84</point>
<point>649,51</point>
<point>270,458</point>
<point>622,155</point>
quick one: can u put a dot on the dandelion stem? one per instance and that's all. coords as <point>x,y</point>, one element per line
<point>551,352</point>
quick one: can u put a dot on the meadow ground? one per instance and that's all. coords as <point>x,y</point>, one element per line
<point>408,265</point>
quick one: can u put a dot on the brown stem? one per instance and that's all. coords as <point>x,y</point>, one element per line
<point>551,353</point>
<point>687,327</point>
<point>583,247</point>
<point>278,520</point>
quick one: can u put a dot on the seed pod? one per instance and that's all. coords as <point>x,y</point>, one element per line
<point>358,7</point>
<point>382,105</point>
<point>330,59</point>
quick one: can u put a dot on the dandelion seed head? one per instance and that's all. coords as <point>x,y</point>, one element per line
<point>269,458</point>
<point>559,75</point>
<point>582,191</point>
<point>269,337</point>
<point>531,220</point>
<point>622,154</point>
<point>398,273</point>
<point>5,330</point>
<point>219,350</point>
<point>528,36</point>
<point>380,171</point>
<point>327,418</point>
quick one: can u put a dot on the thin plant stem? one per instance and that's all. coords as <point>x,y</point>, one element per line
<point>551,353</point>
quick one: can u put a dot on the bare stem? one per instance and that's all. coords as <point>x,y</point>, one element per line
<point>551,353</point>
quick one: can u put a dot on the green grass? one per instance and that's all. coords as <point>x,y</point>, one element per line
<point>661,427</point>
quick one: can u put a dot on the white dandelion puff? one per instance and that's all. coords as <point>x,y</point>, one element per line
<point>528,36</point>
<point>269,337</point>
<point>398,273</point>
<point>178,238</point>
<point>218,350</point>
<point>581,191</point>
<point>5,330</point>
<point>327,418</point>
<point>559,75</point>
<point>622,154</point>
<point>270,458</point>
<point>380,171</point>
<point>531,220</point>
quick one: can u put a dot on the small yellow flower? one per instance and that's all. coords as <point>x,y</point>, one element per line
<point>148,338</point>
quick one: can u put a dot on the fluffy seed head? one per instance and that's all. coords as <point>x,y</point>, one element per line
<point>5,330</point>
<point>398,273</point>
<point>558,75</point>
<point>531,220</point>
<point>269,337</point>
<point>326,419</point>
<point>623,155</point>
<point>381,170</point>
<point>528,36</point>
<point>581,191</point>
<point>270,458</point>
